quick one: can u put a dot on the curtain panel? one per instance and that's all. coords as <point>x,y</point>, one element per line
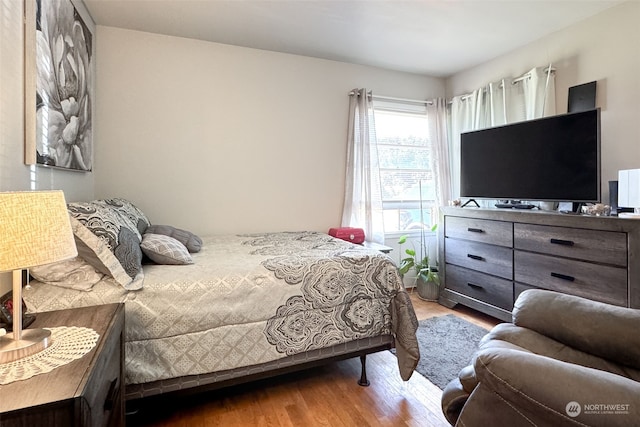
<point>437,117</point>
<point>363,198</point>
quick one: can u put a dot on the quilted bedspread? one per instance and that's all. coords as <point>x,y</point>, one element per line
<point>250,299</point>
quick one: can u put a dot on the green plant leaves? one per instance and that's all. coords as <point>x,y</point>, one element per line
<point>422,268</point>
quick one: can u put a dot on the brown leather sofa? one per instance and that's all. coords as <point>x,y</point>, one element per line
<point>564,361</point>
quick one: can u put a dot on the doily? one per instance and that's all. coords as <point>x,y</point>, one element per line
<point>67,344</point>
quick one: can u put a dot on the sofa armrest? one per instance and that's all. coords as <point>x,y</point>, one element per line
<point>454,397</point>
<point>537,390</point>
<point>596,328</point>
<point>456,393</point>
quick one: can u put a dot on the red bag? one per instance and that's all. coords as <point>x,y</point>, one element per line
<point>350,234</point>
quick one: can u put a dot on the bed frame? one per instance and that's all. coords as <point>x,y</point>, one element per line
<point>216,380</point>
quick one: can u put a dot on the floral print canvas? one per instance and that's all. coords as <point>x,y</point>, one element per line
<point>64,86</point>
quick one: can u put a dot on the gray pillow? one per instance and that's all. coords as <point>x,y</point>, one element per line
<point>117,231</point>
<point>163,249</point>
<point>96,251</point>
<point>129,211</point>
<point>192,242</point>
<point>75,273</point>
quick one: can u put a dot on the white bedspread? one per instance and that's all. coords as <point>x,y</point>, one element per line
<point>245,300</point>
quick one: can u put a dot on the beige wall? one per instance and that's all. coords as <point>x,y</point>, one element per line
<point>605,48</point>
<point>217,138</point>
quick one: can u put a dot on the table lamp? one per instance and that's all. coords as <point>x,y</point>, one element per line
<point>629,192</point>
<point>34,230</point>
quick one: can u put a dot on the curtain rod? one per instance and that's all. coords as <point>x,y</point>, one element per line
<point>391,98</point>
<point>351,93</point>
<point>406,100</point>
<point>528,75</point>
<point>514,81</point>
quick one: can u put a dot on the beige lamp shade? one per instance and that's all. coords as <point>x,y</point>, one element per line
<point>34,229</point>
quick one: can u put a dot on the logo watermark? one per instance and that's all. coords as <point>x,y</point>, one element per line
<point>573,409</point>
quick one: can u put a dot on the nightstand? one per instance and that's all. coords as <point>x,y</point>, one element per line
<point>85,392</point>
<point>377,246</point>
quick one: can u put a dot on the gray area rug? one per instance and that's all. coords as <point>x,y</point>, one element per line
<point>447,344</point>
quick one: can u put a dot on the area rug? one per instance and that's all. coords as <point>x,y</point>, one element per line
<point>447,344</point>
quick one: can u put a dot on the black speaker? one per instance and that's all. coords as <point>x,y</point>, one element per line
<point>582,97</point>
<point>613,197</point>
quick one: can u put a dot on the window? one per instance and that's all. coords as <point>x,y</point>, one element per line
<point>404,155</point>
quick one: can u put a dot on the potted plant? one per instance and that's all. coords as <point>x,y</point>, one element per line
<point>427,280</point>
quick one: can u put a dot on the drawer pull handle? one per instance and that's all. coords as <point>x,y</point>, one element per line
<point>563,277</point>
<point>473,285</point>
<point>112,395</point>
<point>562,242</point>
<point>475,230</point>
<point>476,257</point>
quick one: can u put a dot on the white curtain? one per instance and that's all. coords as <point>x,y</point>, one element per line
<point>539,89</point>
<point>437,117</point>
<point>465,115</point>
<point>363,198</point>
<point>505,101</point>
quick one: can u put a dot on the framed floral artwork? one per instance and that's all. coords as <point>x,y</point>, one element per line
<point>59,84</point>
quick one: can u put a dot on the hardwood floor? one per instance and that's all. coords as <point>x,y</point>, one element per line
<point>323,396</point>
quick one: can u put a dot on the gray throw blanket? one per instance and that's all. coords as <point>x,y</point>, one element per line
<point>405,325</point>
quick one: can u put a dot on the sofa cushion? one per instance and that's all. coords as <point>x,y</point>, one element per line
<point>538,389</point>
<point>512,337</point>
<point>610,333</point>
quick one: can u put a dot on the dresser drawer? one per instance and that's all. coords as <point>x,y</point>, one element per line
<point>607,247</point>
<point>597,282</point>
<point>496,260</point>
<point>483,287</point>
<point>480,230</point>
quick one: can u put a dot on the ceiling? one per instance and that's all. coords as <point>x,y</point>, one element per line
<point>432,37</point>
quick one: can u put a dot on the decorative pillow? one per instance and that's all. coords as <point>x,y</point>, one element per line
<point>192,242</point>
<point>128,210</point>
<point>108,243</point>
<point>75,273</point>
<point>163,249</point>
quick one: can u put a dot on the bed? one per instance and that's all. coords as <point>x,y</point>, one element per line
<point>207,312</point>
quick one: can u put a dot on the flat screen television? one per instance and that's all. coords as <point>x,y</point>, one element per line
<point>554,158</point>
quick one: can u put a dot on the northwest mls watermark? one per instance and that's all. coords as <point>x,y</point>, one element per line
<point>573,409</point>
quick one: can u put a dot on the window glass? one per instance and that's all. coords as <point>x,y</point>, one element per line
<point>405,167</point>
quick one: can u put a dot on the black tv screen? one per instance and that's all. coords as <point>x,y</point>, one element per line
<point>554,158</point>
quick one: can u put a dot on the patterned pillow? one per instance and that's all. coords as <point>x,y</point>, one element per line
<point>163,249</point>
<point>187,238</point>
<point>75,273</point>
<point>109,241</point>
<point>128,210</point>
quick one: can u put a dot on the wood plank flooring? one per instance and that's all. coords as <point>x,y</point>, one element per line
<point>323,396</point>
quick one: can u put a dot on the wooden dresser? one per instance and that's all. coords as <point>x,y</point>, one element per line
<point>489,256</point>
<point>85,392</point>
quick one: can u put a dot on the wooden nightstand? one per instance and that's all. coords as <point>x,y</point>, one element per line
<point>85,392</point>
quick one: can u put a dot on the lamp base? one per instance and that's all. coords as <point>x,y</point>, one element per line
<point>32,342</point>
